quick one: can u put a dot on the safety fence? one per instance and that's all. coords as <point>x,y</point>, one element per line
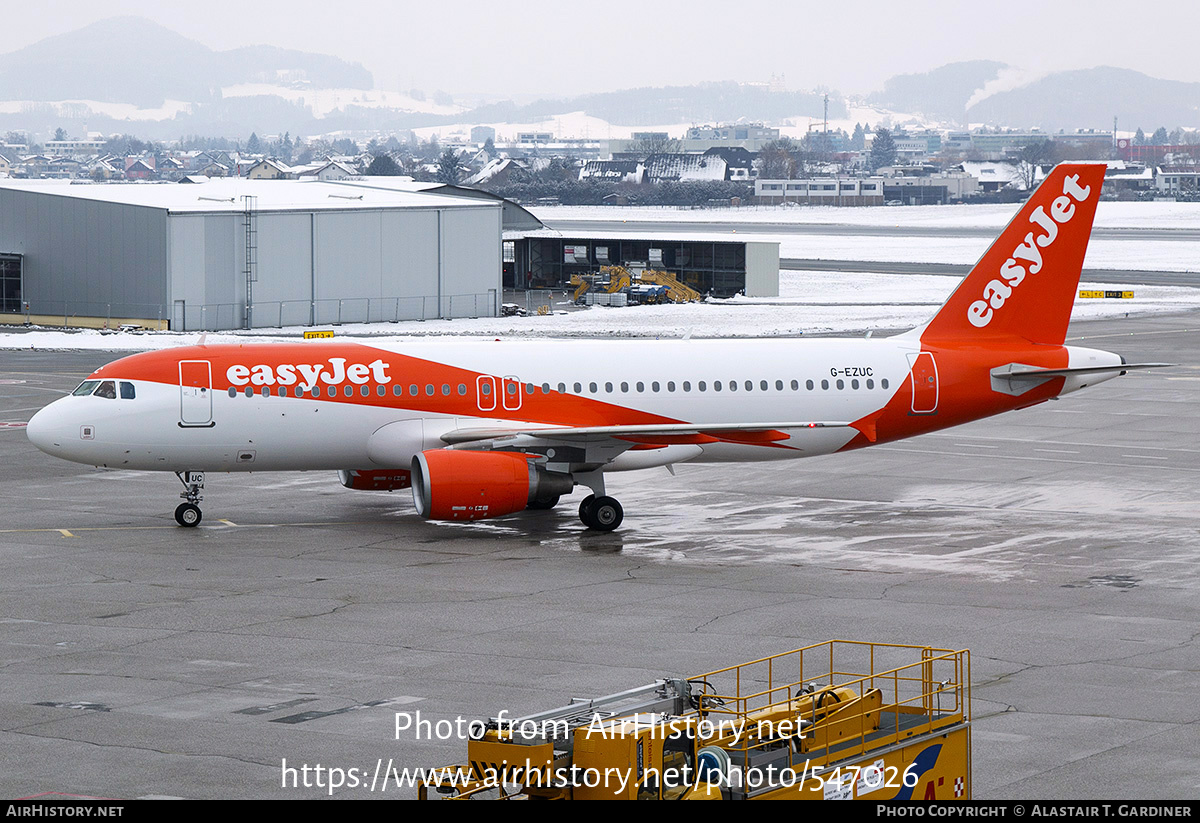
<point>183,315</point>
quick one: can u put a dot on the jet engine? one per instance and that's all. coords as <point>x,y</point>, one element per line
<point>375,480</point>
<point>470,485</point>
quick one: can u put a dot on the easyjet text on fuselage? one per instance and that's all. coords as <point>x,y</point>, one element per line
<point>332,372</point>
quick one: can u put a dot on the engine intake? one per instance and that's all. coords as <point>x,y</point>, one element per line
<point>469,485</point>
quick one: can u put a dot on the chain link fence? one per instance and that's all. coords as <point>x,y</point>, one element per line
<point>185,316</point>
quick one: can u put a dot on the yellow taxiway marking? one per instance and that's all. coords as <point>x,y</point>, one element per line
<point>70,533</point>
<point>229,522</point>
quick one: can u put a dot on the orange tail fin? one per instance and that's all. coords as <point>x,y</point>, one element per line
<point>1024,285</point>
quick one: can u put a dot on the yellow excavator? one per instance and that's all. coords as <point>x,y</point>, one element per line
<point>837,720</point>
<point>613,279</point>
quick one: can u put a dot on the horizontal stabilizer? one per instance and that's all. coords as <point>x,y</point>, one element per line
<point>1015,371</point>
<point>1017,378</point>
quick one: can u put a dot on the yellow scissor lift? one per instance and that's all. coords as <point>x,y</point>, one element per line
<point>835,721</point>
<point>613,279</point>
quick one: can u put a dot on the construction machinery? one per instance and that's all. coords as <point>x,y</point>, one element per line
<point>663,285</point>
<point>836,721</point>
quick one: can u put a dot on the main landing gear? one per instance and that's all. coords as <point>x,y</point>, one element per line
<point>601,513</point>
<point>188,514</point>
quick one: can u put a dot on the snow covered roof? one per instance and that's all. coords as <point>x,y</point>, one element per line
<point>685,167</point>
<point>663,236</point>
<point>224,194</point>
<point>611,170</point>
<point>490,170</point>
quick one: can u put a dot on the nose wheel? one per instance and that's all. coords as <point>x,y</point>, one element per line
<point>601,513</point>
<point>188,514</point>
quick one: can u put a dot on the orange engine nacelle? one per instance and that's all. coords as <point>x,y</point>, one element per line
<point>470,485</point>
<point>375,480</point>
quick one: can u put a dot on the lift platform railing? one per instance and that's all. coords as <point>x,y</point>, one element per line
<point>833,701</point>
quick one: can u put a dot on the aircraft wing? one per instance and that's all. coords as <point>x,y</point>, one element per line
<point>519,437</point>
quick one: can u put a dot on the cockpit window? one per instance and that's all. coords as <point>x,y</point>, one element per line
<point>127,391</point>
<point>108,389</point>
<point>85,388</point>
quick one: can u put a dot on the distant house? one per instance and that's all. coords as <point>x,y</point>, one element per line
<point>500,171</point>
<point>170,167</point>
<point>739,163</point>
<point>103,169</point>
<point>1177,179</point>
<point>32,166</point>
<point>994,176</point>
<point>5,166</point>
<point>137,168</point>
<point>1120,176</point>
<point>270,169</point>
<point>670,168</point>
<point>325,170</point>
<point>613,171</point>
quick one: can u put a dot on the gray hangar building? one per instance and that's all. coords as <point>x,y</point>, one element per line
<point>236,253</point>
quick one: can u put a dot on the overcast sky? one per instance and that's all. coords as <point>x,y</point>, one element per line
<point>549,48</point>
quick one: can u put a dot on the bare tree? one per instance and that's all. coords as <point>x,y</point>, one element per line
<point>654,144</point>
<point>1031,157</point>
<point>780,160</point>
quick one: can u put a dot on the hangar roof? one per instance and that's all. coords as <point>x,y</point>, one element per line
<point>225,195</point>
<point>647,234</point>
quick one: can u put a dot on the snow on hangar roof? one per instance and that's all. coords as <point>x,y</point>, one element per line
<point>224,195</point>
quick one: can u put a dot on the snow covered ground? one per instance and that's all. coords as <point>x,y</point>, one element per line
<point>810,303</point>
<point>1103,252</point>
<point>1109,215</point>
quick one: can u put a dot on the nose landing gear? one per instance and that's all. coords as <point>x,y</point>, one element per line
<point>188,514</point>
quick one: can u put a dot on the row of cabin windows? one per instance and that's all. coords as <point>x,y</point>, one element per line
<point>431,390</point>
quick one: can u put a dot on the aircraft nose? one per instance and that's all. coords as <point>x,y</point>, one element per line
<point>45,429</point>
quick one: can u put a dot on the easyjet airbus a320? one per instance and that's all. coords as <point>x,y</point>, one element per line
<point>484,429</point>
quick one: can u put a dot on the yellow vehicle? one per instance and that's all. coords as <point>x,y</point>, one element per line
<point>612,279</point>
<point>836,721</point>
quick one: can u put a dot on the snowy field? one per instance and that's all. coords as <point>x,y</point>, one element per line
<point>810,303</point>
<point>1109,215</point>
<point>1125,253</point>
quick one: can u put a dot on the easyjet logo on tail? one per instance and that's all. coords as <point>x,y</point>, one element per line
<point>308,373</point>
<point>1013,271</point>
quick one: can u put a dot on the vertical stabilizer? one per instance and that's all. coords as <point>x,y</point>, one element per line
<point>1024,285</point>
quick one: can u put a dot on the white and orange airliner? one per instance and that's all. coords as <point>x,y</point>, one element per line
<point>486,428</point>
